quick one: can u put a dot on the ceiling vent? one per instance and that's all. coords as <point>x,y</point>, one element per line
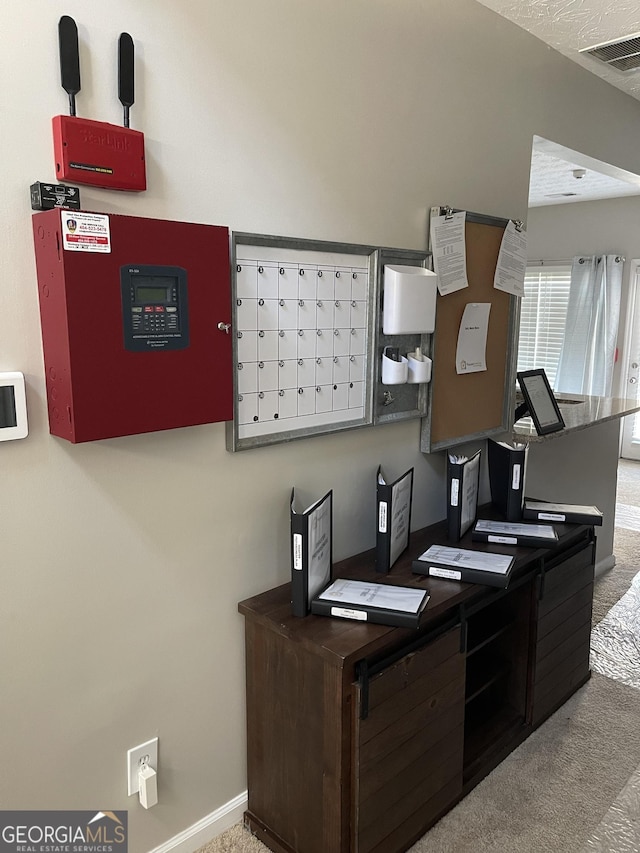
<point>623,54</point>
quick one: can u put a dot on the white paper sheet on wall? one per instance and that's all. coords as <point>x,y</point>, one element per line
<point>449,251</point>
<point>472,338</point>
<point>512,260</point>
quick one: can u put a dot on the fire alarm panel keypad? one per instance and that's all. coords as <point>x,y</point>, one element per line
<point>154,307</point>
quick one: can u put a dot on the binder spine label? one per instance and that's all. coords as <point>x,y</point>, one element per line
<point>297,551</point>
<point>382,517</point>
<point>451,574</point>
<point>515,478</point>
<point>455,491</point>
<point>551,516</point>
<point>503,540</point>
<point>348,613</point>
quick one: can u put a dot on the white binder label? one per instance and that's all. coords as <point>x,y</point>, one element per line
<point>515,480</point>
<point>455,490</point>
<point>504,540</point>
<point>382,517</point>
<point>348,613</point>
<point>297,551</point>
<point>551,516</point>
<point>445,573</point>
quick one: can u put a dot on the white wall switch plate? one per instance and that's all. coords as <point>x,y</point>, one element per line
<point>146,753</point>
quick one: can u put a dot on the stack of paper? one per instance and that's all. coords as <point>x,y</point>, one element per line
<point>372,602</point>
<point>463,564</point>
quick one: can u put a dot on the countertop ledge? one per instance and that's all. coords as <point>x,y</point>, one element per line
<point>578,412</point>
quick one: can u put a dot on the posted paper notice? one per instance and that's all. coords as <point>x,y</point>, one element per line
<point>449,251</point>
<point>512,261</point>
<point>472,338</point>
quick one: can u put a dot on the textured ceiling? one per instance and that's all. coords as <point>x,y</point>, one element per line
<point>573,25</point>
<point>570,26</point>
<point>553,182</point>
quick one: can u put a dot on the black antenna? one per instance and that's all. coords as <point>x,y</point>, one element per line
<point>69,59</point>
<point>125,74</point>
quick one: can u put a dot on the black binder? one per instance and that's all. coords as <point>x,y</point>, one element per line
<point>439,565</point>
<point>507,472</point>
<point>525,533</point>
<point>394,518</point>
<point>311,551</point>
<point>572,513</point>
<point>364,609</point>
<point>463,479</point>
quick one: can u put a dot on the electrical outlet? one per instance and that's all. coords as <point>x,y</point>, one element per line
<point>146,753</point>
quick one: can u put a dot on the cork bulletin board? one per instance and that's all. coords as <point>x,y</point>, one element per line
<point>468,406</point>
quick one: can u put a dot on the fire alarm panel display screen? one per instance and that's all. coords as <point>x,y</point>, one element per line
<point>154,308</point>
<point>148,294</point>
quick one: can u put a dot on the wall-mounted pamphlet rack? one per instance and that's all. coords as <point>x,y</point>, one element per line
<point>407,397</point>
<point>307,340</point>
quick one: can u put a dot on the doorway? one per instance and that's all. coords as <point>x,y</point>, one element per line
<point>630,448</point>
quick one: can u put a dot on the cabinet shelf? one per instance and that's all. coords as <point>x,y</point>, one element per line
<point>483,641</point>
<point>479,682</point>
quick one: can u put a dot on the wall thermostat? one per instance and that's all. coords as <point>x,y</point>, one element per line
<point>13,407</point>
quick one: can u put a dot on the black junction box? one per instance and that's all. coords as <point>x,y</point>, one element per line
<point>46,196</point>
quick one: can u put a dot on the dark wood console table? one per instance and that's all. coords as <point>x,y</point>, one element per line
<point>361,736</point>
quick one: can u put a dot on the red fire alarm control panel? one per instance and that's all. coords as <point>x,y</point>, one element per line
<point>135,317</point>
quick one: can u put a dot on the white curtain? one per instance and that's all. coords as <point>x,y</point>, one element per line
<point>589,347</point>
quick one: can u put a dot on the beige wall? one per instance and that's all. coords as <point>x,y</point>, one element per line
<point>123,560</point>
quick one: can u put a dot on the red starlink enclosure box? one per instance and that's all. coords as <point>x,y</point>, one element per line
<point>99,154</point>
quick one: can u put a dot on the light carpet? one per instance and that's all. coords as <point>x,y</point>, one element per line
<point>628,516</point>
<point>612,585</point>
<point>619,831</point>
<point>628,485</point>
<point>615,641</point>
<point>551,794</point>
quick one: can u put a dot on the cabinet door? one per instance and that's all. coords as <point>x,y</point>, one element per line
<point>408,748</point>
<point>561,655</point>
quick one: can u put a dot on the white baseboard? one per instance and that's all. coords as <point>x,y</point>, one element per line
<point>207,828</point>
<point>605,565</point>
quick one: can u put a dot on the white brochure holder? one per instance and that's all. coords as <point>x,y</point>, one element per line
<point>419,368</point>
<point>394,372</point>
<point>409,304</point>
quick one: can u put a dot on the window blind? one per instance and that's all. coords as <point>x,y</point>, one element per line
<point>543,315</point>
